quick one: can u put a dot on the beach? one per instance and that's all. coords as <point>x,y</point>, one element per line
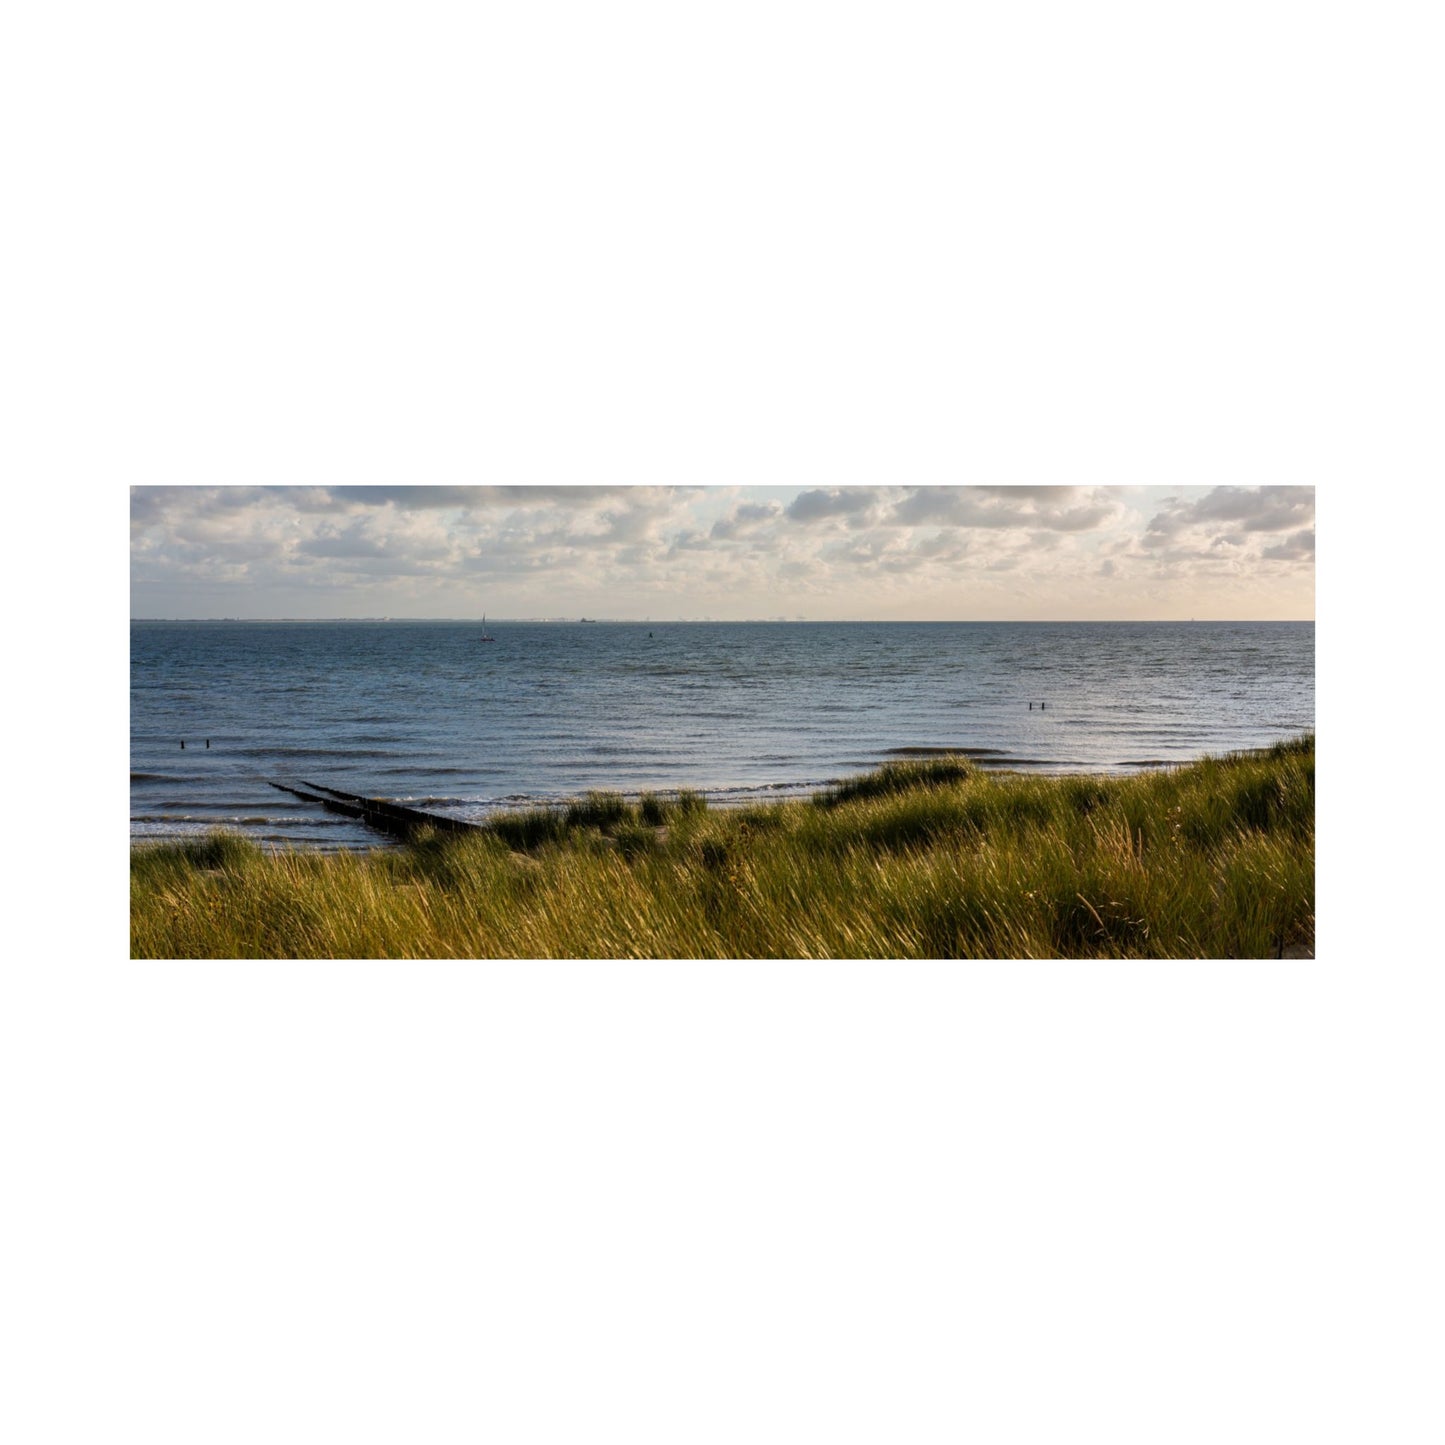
<point>930,857</point>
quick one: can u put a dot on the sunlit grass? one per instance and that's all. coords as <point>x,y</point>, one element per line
<point>934,859</point>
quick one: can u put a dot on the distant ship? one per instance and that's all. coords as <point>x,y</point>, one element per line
<point>486,636</point>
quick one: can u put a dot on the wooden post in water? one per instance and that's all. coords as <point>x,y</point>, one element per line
<point>393,818</point>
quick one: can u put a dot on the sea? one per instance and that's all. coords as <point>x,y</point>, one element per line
<point>429,714</point>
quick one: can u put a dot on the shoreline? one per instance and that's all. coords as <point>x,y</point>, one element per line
<point>995,762</point>
<point>930,857</point>
<point>723,799</point>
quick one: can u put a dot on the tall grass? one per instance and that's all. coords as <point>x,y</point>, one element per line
<point>916,860</point>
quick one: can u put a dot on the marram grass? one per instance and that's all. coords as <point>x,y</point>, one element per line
<point>933,859</point>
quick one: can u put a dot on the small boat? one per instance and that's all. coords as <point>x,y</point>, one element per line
<point>486,636</point>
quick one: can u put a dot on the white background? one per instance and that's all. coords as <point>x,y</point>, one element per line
<point>680,1202</point>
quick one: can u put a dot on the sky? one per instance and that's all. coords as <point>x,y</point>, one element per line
<point>660,553</point>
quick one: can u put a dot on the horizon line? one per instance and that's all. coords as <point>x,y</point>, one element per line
<point>663,621</point>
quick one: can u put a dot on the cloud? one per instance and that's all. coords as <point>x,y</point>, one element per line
<point>1233,533</point>
<point>1056,495</point>
<point>828,551</point>
<point>360,543</point>
<point>424,498</point>
<point>822,504</point>
<point>1252,509</point>
<point>1065,509</point>
<point>1298,548</point>
<point>745,520</point>
<point>1062,509</point>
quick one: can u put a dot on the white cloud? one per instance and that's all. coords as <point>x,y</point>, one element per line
<point>688,551</point>
<point>1067,509</point>
<point>1252,509</point>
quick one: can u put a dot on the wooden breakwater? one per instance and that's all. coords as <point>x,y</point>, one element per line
<point>394,818</point>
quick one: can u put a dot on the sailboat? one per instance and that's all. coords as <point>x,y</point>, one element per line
<point>486,636</point>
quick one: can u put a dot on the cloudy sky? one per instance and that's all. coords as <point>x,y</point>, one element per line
<point>727,552</point>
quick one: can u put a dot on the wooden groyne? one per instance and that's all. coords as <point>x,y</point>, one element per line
<point>393,818</point>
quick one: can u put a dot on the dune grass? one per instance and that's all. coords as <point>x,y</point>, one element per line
<point>930,859</point>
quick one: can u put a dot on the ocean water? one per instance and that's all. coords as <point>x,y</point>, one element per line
<point>427,713</point>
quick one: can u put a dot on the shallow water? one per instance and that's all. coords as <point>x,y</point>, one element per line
<point>427,713</point>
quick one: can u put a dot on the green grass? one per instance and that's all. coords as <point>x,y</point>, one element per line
<point>928,859</point>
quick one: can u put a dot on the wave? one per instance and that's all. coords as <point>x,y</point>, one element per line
<point>431,769</point>
<point>340,753</point>
<point>931,752</point>
<point>207,820</point>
